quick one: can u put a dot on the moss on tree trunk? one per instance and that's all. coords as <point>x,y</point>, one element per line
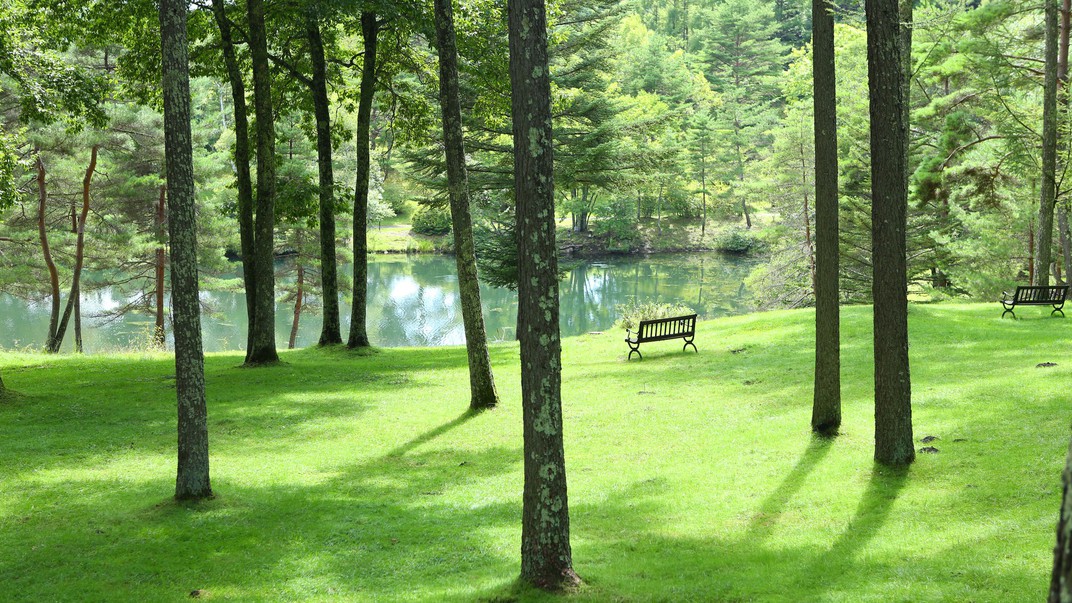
<point>546,557</point>
<point>481,380</point>
<point>192,476</point>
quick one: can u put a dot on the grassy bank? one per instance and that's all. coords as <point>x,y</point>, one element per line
<point>692,477</point>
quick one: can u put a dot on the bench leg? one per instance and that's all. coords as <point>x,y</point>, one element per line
<point>1056,310</point>
<point>634,349</point>
<point>1008,311</point>
<point>688,342</point>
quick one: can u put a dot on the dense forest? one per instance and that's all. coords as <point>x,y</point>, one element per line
<point>670,118</point>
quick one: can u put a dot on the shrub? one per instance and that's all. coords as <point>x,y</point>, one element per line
<point>737,241</point>
<point>630,315</point>
<point>431,220</point>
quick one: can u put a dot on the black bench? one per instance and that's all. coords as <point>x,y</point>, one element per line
<point>661,329</point>
<point>1035,296</point>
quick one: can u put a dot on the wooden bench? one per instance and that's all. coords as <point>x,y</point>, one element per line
<point>1035,296</point>
<point>661,329</point>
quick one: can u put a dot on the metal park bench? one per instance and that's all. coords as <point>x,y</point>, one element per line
<point>1035,296</point>
<point>661,329</point>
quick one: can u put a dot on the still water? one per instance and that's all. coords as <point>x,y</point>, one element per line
<point>413,301</point>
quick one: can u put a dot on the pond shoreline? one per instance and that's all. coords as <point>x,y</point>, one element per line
<point>413,301</point>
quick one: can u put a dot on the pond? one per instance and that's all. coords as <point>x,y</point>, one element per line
<point>413,301</point>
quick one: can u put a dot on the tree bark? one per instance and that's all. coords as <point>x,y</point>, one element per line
<point>826,402</point>
<point>358,337</point>
<point>263,348</point>
<point>330,332</point>
<point>703,188</point>
<point>1048,193</point>
<point>546,558</point>
<point>243,179</point>
<point>297,305</point>
<point>1062,103</point>
<point>889,191</point>
<point>481,380</point>
<point>161,240</point>
<point>1061,577</point>
<point>192,476</point>
<point>53,275</point>
<point>79,257</point>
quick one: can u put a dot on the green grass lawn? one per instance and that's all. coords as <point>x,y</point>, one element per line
<point>693,477</point>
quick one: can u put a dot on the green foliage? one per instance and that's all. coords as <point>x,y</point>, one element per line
<point>619,227</point>
<point>432,220</point>
<point>630,315</point>
<point>737,240</point>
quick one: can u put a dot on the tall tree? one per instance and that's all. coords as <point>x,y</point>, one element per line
<point>243,178</point>
<point>330,332</point>
<point>79,255</point>
<point>192,477</point>
<point>46,251</point>
<point>546,558</point>
<point>826,405</point>
<point>263,346</point>
<point>746,61</point>
<point>1048,191</point>
<point>370,29</point>
<point>889,200</point>
<point>481,380</point>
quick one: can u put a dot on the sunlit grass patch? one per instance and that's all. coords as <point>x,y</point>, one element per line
<point>692,476</point>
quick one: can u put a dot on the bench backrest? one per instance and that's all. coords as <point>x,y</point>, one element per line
<point>667,328</point>
<point>1027,294</point>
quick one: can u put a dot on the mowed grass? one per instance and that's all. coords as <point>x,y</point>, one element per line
<point>692,477</point>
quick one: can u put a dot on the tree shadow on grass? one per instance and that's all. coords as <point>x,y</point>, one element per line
<point>433,433</point>
<point>374,531</point>
<point>129,407</point>
<point>766,517</point>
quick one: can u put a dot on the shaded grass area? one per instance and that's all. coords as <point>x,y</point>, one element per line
<point>693,477</point>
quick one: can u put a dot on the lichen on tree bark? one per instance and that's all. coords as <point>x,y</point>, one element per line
<point>546,557</point>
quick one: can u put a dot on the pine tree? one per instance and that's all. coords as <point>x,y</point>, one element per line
<point>826,405</point>
<point>546,558</point>
<point>192,478</point>
<point>887,75</point>
<point>481,381</point>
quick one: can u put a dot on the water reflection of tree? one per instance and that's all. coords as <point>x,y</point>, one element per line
<point>423,309</point>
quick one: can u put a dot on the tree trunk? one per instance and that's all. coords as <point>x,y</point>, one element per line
<point>263,346</point>
<point>192,476</point>
<point>297,305</point>
<point>809,246</point>
<point>1061,577</point>
<point>1066,245</point>
<point>889,191</point>
<point>546,558</point>
<point>79,257</point>
<point>161,240</point>
<point>481,380</point>
<point>1048,194</point>
<point>1062,102</point>
<point>243,178</point>
<point>53,275</point>
<point>330,332</point>
<point>740,178</point>
<point>703,188</point>
<point>358,334</point>
<point>826,402</point>
<point>1031,251</point>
